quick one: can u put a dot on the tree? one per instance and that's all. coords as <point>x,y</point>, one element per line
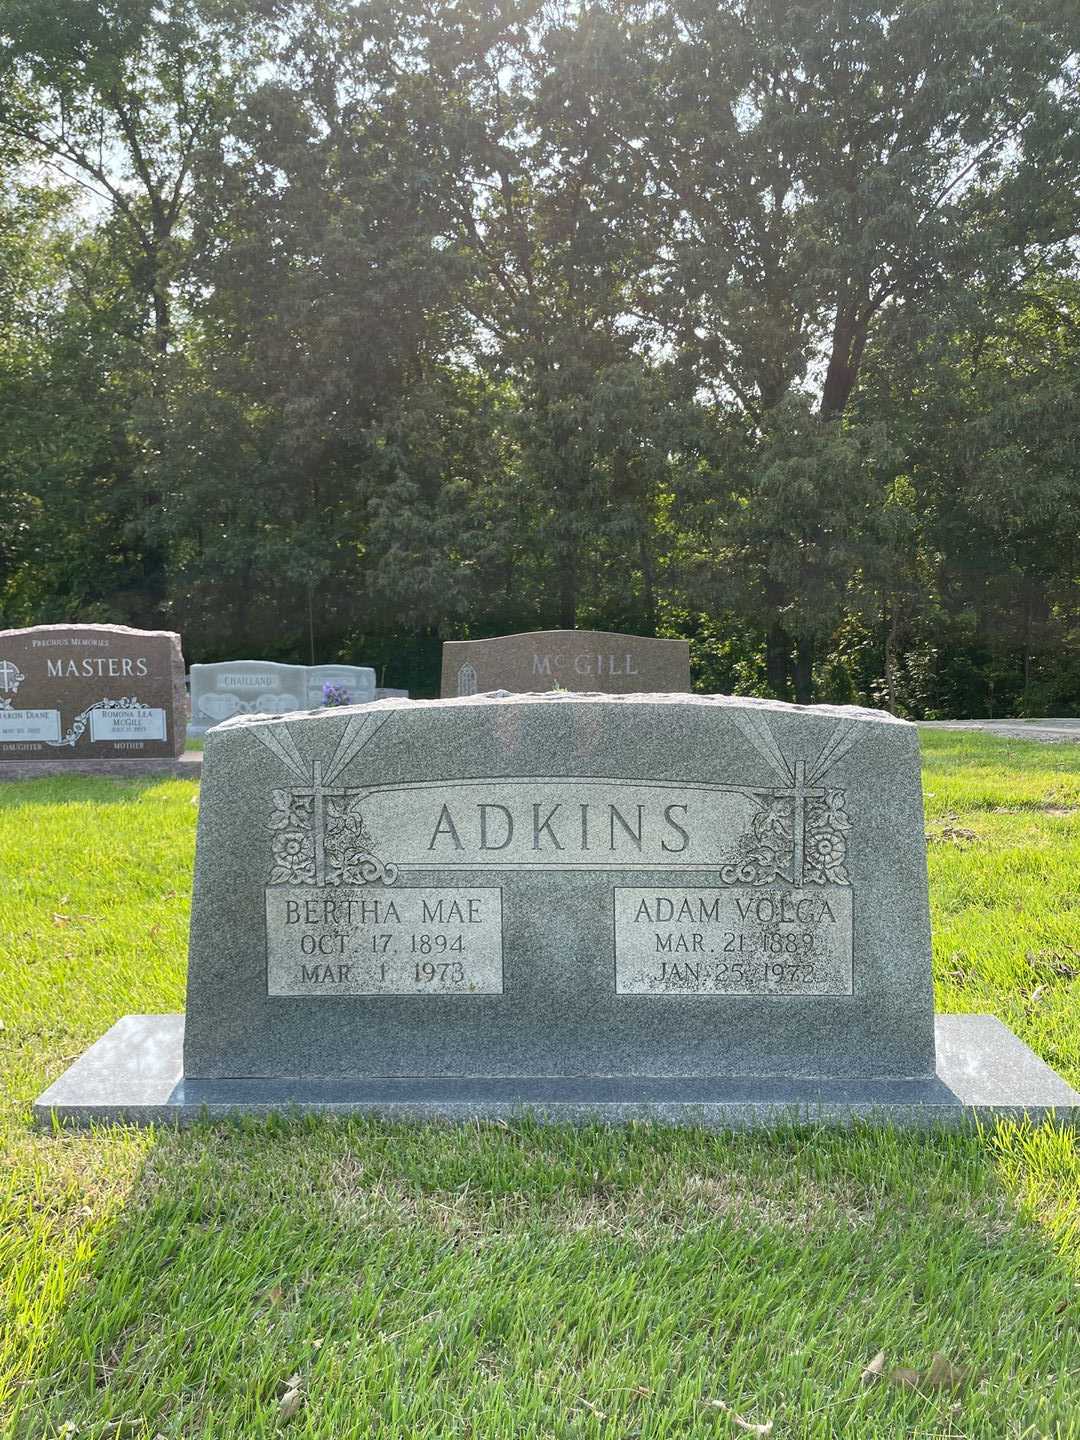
<point>819,173</point>
<point>119,98</point>
<point>325,298</point>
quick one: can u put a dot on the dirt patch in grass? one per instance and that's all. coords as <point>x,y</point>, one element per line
<point>952,835</point>
<point>1054,811</point>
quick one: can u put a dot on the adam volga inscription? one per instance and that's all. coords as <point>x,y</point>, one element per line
<point>737,941</point>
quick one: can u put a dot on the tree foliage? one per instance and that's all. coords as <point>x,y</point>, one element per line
<point>393,320</point>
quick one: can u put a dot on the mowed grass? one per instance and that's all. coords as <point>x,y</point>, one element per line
<point>531,1281</point>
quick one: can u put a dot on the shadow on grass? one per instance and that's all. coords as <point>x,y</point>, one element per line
<point>534,1281</point>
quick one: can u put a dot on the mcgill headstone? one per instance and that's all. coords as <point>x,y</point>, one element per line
<point>266,687</point>
<point>679,907</point>
<point>579,660</point>
<point>90,692</point>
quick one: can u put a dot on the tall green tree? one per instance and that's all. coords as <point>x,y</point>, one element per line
<point>819,173</point>
<point>119,97</point>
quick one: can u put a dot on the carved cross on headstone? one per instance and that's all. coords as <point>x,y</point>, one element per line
<point>799,792</point>
<point>319,794</point>
<point>11,677</point>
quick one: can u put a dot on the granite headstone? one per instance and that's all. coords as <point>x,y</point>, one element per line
<point>90,692</point>
<point>678,907</point>
<point>268,687</point>
<point>580,660</point>
<point>356,682</point>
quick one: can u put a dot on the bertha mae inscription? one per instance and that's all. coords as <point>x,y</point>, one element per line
<point>678,906</point>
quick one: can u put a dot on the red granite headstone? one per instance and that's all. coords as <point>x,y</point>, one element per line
<point>91,692</point>
<point>584,660</point>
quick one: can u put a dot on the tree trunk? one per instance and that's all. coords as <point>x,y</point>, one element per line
<point>804,671</point>
<point>648,587</point>
<point>568,588</point>
<point>890,659</point>
<point>777,656</point>
<point>162,318</point>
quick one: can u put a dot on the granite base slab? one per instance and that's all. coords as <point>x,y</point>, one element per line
<point>184,767</point>
<point>133,1075</point>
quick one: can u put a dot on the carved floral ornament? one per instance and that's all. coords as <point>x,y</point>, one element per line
<point>798,833</point>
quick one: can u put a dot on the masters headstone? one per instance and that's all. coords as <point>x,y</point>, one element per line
<point>90,692</point>
<point>680,907</point>
<point>580,660</point>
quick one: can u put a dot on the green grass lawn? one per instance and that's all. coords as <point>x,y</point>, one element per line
<point>493,1282</point>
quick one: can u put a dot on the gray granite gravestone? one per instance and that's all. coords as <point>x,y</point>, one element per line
<point>581,660</point>
<point>90,693</point>
<point>266,687</point>
<point>356,682</point>
<point>685,907</point>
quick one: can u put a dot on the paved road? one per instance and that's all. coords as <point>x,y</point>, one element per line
<point>1053,731</point>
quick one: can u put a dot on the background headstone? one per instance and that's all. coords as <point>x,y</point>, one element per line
<point>244,687</point>
<point>579,660</point>
<point>387,692</point>
<point>81,692</point>
<point>266,687</point>
<point>355,681</point>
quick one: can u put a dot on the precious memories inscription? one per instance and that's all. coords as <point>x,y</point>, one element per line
<point>765,908</point>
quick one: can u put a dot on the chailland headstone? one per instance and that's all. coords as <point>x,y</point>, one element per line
<point>579,660</point>
<point>669,906</point>
<point>266,687</point>
<point>90,692</point>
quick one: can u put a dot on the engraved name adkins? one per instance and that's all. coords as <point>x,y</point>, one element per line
<point>766,909</point>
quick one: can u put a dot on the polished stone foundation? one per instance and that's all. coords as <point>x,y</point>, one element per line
<point>134,1074</point>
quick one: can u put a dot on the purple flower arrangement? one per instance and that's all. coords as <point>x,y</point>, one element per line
<point>335,695</point>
